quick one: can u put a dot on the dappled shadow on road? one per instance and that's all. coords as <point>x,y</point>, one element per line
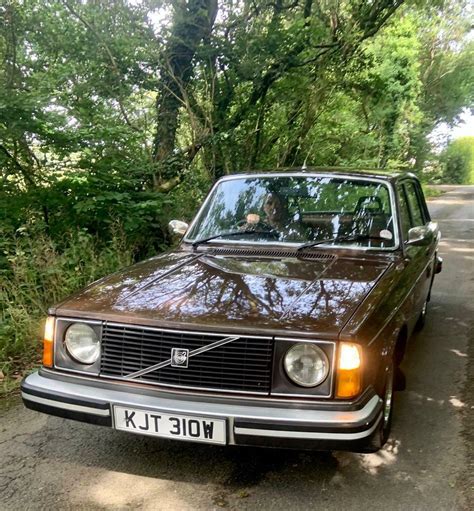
<point>183,461</point>
<point>141,471</point>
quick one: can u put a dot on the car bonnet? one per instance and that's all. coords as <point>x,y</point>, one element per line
<point>205,291</point>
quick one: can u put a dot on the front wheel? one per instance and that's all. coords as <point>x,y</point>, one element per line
<point>421,321</point>
<point>388,404</point>
<point>384,429</point>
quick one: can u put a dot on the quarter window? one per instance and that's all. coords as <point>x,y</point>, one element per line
<point>404,212</point>
<point>414,203</point>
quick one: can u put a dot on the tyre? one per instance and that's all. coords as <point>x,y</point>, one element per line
<point>421,321</point>
<point>388,404</point>
<point>385,427</point>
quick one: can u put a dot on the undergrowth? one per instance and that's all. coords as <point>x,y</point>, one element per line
<point>37,272</point>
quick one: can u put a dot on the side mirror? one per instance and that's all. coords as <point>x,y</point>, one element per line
<point>422,235</point>
<point>177,228</point>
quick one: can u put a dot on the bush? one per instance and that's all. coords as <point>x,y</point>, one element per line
<point>458,161</point>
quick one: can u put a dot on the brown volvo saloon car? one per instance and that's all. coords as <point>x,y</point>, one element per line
<point>280,319</point>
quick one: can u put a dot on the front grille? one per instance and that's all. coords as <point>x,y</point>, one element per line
<point>243,365</point>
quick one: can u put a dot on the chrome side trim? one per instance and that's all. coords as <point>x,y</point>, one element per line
<point>193,353</point>
<point>307,434</point>
<point>65,406</point>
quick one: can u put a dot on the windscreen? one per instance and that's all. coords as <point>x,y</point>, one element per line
<point>298,209</point>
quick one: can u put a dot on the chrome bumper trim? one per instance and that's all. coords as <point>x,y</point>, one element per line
<point>306,435</point>
<point>65,406</point>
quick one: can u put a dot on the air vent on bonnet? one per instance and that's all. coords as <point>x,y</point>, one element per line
<point>275,253</point>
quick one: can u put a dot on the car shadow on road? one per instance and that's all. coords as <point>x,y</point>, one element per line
<point>221,476</point>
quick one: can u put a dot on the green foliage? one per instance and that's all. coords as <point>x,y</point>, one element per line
<point>457,162</point>
<point>431,192</point>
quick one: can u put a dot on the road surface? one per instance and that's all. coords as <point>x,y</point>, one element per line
<point>50,463</point>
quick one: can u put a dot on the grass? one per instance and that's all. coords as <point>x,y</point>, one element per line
<point>36,273</point>
<point>431,192</point>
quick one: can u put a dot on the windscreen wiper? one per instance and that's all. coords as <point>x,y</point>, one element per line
<point>346,238</point>
<point>230,233</point>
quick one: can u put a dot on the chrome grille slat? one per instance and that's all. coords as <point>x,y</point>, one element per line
<point>214,365</point>
<point>211,362</point>
<point>241,365</point>
<point>165,354</point>
<point>151,347</point>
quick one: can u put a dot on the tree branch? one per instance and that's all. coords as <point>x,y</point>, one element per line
<point>26,175</point>
<point>110,55</point>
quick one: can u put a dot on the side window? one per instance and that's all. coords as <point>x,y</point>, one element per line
<point>404,212</point>
<point>414,203</point>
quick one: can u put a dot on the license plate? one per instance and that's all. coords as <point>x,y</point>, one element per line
<point>184,427</point>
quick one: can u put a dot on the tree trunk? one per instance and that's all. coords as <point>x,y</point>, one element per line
<point>192,21</point>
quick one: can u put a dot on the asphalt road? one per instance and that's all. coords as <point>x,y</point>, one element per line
<point>51,463</point>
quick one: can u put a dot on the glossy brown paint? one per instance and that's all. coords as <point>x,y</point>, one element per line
<point>350,296</point>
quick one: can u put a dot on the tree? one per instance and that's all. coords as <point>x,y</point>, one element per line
<point>457,161</point>
<point>446,72</point>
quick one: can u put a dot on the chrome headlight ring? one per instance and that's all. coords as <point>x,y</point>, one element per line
<point>82,343</point>
<point>306,365</point>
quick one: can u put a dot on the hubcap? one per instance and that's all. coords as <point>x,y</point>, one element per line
<point>387,405</point>
<point>423,310</point>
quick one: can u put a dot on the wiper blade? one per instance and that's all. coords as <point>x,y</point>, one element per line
<point>347,238</point>
<point>230,233</point>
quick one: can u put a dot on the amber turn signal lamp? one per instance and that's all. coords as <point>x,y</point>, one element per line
<point>48,339</point>
<point>348,370</point>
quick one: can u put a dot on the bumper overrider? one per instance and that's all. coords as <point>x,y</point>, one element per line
<point>330,425</point>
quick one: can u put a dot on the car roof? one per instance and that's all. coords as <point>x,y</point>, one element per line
<point>336,171</point>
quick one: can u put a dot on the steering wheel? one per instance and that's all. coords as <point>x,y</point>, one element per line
<point>364,205</point>
<point>240,223</point>
<point>260,227</point>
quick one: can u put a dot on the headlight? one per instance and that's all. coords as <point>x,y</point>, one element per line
<point>82,343</point>
<point>306,365</point>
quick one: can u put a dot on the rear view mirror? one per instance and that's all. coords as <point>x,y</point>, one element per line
<point>177,228</point>
<point>422,235</point>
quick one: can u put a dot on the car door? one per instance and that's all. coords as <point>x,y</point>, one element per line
<point>419,259</point>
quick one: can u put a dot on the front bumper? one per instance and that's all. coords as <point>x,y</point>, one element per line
<point>283,424</point>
